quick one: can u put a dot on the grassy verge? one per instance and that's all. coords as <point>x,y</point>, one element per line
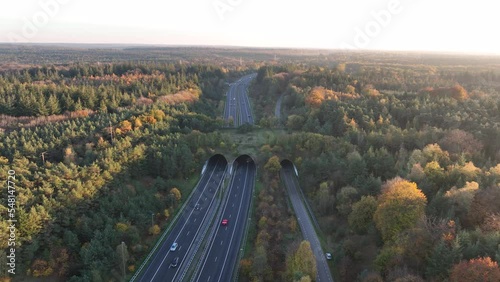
<point>186,187</point>
<point>290,236</point>
<point>248,143</point>
<point>252,228</point>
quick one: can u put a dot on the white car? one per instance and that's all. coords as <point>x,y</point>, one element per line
<point>328,256</point>
<point>173,247</point>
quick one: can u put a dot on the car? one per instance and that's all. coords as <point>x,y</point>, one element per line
<point>197,207</point>
<point>328,256</point>
<point>174,262</point>
<point>173,247</point>
<point>224,222</point>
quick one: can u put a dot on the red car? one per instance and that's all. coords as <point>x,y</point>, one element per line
<point>224,222</point>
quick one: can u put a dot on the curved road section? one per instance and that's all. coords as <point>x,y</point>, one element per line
<point>220,260</point>
<point>167,263</point>
<point>306,226</point>
<point>237,106</point>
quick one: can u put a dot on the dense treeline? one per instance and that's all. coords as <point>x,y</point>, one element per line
<point>52,90</point>
<point>87,183</point>
<point>334,103</point>
<point>363,148</point>
<point>101,153</point>
<point>274,230</point>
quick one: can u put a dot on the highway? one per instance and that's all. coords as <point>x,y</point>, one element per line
<point>195,215</point>
<point>237,107</point>
<point>277,109</point>
<point>306,226</point>
<point>221,257</point>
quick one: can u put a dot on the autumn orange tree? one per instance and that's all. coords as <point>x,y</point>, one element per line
<point>400,206</point>
<point>479,269</point>
<point>456,92</point>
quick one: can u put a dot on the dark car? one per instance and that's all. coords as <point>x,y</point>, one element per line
<point>175,262</point>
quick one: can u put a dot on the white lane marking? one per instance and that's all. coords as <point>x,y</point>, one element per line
<point>197,231</point>
<point>179,234</point>
<point>205,260</point>
<point>234,229</point>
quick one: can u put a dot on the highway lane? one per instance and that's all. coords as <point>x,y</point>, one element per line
<point>237,104</point>
<point>192,217</point>
<point>246,101</point>
<point>306,226</point>
<point>222,256</point>
<point>230,107</point>
<point>277,109</point>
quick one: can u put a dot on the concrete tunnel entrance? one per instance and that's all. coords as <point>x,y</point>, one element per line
<point>288,165</point>
<point>213,160</point>
<point>243,159</point>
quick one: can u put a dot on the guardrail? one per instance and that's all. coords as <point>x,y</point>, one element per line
<point>306,203</point>
<point>214,230</point>
<point>201,236</point>
<point>236,267</point>
<point>317,250</point>
<point>162,237</point>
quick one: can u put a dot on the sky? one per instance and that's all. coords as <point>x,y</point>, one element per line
<point>413,25</point>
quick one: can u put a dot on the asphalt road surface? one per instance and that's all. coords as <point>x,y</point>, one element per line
<point>237,105</point>
<point>277,109</point>
<point>306,226</point>
<point>185,230</point>
<point>222,256</point>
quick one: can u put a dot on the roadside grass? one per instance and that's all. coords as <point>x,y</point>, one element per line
<point>248,143</point>
<point>252,228</point>
<point>186,187</point>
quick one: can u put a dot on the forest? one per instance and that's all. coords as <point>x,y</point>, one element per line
<point>398,155</point>
<point>101,154</point>
<point>400,164</point>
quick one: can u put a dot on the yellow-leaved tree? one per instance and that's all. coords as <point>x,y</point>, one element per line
<point>302,263</point>
<point>400,206</point>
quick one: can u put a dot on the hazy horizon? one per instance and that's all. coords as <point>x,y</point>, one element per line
<point>380,25</point>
